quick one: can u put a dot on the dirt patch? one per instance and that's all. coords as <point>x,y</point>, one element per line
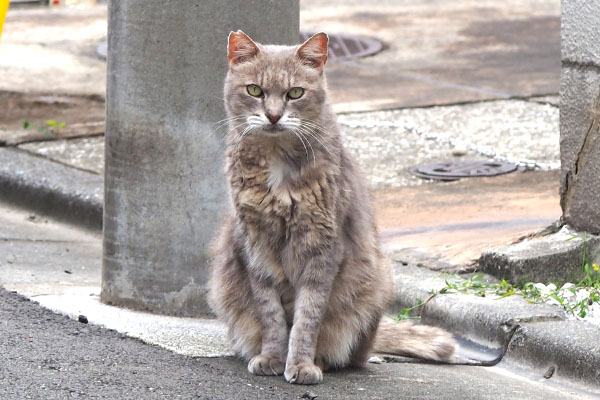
<point>34,110</point>
<point>457,221</point>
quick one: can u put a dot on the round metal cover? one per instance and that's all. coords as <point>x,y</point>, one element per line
<point>451,170</point>
<point>346,47</point>
<point>341,47</point>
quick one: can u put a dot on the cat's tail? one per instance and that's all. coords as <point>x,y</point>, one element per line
<point>410,340</point>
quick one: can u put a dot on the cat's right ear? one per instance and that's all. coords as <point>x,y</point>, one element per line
<point>240,48</point>
<point>313,52</point>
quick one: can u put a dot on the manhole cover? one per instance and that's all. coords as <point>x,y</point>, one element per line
<point>452,171</point>
<point>346,47</point>
<point>341,47</point>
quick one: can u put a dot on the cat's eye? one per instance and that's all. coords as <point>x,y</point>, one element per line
<point>295,93</point>
<point>254,90</point>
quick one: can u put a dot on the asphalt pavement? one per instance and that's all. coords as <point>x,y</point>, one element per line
<point>49,356</point>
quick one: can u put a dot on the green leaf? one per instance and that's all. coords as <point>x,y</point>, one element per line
<point>62,125</point>
<point>509,293</point>
<point>51,122</point>
<point>405,317</point>
<point>405,313</point>
<point>26,125</point>
<point>559,299</point>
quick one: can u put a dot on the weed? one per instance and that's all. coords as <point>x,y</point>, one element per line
<point>575,297</point>
<point>50,128</point>
<point>405,313</point>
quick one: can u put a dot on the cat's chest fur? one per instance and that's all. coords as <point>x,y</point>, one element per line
<point>281,203</point>
<point>280,175</point>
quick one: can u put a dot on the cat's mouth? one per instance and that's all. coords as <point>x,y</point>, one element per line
<point>274,129</point>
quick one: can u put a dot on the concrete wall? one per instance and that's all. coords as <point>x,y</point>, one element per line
<point>164,188</point>
<point>580,114</point>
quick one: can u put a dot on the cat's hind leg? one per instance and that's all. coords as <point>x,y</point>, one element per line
<point>345,341</point>
<point>230,295</point>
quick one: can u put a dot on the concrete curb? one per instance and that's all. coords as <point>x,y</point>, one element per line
<point>552,258</point>
<point>566,350</point>
<point>534,336</point>
<point>50,188</point>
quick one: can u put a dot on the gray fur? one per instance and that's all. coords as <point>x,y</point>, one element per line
<point>297,273</point>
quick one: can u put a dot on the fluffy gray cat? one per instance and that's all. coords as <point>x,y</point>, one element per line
<point>297,273</point>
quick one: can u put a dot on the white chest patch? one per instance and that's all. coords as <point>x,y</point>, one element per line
<point>280,174</point>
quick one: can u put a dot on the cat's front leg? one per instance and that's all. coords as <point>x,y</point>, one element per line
<point>271,360</point>
<point>312,295</point>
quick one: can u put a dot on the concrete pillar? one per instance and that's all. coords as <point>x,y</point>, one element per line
<point>580,114</point>
<point>164,187</point>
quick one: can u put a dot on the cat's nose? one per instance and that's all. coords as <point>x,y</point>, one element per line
<point>273,118</point>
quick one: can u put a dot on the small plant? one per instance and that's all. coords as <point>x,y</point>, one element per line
<point>404,314</point>
<point>577,298</point>
<point>51,127</point>
<point>591,275</point>
<point>475,285</point>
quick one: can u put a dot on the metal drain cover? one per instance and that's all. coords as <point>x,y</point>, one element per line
<point>342,47</point>
<point>347,47</point>
<point>452,171</point>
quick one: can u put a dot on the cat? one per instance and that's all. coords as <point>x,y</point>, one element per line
<point>297,273</point>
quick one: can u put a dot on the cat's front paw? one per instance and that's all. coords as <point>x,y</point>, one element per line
<point>303,374</point>
<point>266,365</point>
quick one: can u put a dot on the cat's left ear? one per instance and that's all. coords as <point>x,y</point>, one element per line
<point>313,52</point>
<point>240,48</point>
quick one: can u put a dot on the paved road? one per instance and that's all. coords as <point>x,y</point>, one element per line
<point>49,356</point>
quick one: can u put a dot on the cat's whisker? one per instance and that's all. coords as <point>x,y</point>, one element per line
<point>301,141</point>
<point>310,145</point>
<point>235,128</point>
<point>314,125</point>
<point>317,127</point>
<point>311,134</point>
<point>227,119</point>
<point>220,124</point>
<point>220,137</point>
<point>255,121</point>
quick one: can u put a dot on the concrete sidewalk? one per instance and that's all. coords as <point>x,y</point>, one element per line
<point>451,100</point>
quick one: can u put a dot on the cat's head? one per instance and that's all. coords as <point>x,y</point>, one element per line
<point>275,89</point>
